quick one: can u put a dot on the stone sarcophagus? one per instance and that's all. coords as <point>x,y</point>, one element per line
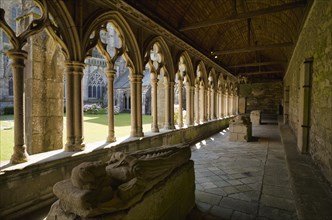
<point>149,184</point>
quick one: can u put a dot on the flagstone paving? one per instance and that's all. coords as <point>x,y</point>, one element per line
<point>243,180</point>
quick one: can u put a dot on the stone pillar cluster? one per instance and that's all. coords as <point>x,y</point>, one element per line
<point>74,106</point>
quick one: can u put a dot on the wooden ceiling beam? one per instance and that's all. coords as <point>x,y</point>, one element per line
<point>260,73</point>
<point>243,16</point>
<point>251,49</point>
<point>259,64</point>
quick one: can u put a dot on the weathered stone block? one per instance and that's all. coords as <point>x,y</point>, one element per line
<point>240,129</point>
<point>233,136</point>
<point>255,117</point>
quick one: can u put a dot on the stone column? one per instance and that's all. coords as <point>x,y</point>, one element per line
<point>139,105</point>
<point>204,104</point>
<point>192,92</point>
<point>213,104</point>
<point>110,79</point>
<point>74,106</point>
<point>180,103</point>
<point>197,103</point>
<point>188,104</point>
<point>154,109</point>
<point>216,104</point>
<point>168,106</point>
<point>136,105</point>
<point>231,104</point>
<point>18,58</point>
<point>226,105</point>
<point>208,106</point>
<point>236,104</point>
<point>171,105</point>
<point>221,113</point>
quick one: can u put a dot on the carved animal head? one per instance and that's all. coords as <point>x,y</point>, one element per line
<point>88,175</point>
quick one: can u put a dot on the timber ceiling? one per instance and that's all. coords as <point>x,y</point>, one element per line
<point>253,38</point>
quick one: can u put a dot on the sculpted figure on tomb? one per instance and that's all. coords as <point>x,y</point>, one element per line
<point>96,188</point>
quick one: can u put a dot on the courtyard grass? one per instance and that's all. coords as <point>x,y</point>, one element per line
<point>95,129</point>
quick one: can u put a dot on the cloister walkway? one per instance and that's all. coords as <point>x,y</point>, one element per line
<point>236,180</point>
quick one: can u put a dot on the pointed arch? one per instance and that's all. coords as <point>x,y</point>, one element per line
<point>167,60</point>
<point>130,45</point>
<point>201,74</point>
<point>190,74</point>
<point>213,78</point>
<point>64,31</point>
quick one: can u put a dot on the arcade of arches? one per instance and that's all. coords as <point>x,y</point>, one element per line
<point>179,74</point>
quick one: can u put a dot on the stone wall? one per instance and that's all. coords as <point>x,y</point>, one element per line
<point>28,187</point>
<point>262,96</point>
<point>315,42</point>
<point>44,95</point>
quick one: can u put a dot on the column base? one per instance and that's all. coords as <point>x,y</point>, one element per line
<point>20,155</point>
<point>136,134</point>
<point>74,147</point>
<point>155,130</point>
<point>111,139</point>
<point>169,127</point>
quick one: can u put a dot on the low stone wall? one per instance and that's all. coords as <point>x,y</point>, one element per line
<point>25,188</point>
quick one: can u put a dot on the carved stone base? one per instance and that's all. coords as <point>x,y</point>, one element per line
<point>173,198</point>
<point>111,139</point>
<point>20,155</point>
<point>74,147</point>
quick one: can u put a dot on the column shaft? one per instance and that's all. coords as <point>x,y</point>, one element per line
<point>110,79</point>
<point>180,103</point>
<point>136,105</point>
<point>18,57</point>
<point>74,106</point>
<point>171,106</point>
<point>154,110</point>
<point>197,103</point>
<point>188,104</point>
<point>208,104</point>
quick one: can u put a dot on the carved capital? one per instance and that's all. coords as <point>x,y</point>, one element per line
<point>110,73</point>
<point>18,57</point>
<point>74,67</point>
<point>136,78</point>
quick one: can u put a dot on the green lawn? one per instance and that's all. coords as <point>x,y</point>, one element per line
<point>95,129</point>
<point>6,136</point>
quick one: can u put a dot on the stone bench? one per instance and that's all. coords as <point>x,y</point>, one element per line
<point>148,184</point>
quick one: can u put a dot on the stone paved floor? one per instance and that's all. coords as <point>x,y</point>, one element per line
<point>237,180</point>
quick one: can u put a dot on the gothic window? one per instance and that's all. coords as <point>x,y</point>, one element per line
<point>96,85</point>
<point>10,86</point>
